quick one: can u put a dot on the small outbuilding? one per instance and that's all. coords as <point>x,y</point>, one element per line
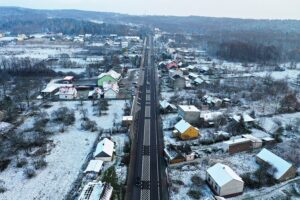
<point>94,166</point>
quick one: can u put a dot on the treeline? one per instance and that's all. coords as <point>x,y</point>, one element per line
<point>66,26</point>
<point>247,52</point>
<point>24,67</point>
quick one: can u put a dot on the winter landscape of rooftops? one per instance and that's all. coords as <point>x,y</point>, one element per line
<point>148,100</point>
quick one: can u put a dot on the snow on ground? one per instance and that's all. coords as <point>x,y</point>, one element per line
<point>68,70</point>
<point>120,140</point>
<point>65,160</point>
<point>287,74</point>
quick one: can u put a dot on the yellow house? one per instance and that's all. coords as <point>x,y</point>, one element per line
<point>185,131</point>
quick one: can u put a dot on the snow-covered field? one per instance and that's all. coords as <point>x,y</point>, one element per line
<point>65,159</point>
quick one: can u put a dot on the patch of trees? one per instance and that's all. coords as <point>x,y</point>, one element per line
<point>67,26</point>
<point>263,176</point>
<point>110,177</point>
<point>248,52</point>
<point>24,67</point>
<point>289,103</point>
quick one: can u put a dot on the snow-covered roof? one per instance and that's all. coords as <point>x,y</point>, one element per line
<point>106,146</point>
<point>94,166</point>
<point>96,191</point>
<point>281,165</point>
<point>67,90</point>
<point>111,73</point>
<point>68,78</point>
<point>199,80</point>
<point>182,126</point>
<point>247,118</point>
<point>53,85</point>
<point>111,86</point>
<point>164,104</point>
<point>210,116</point>
<point>4,127</point>
<point>127,118</point>
<point>252,138</point>
<point>189,108</point>
<point>222,174</point>
<point>236,141</point>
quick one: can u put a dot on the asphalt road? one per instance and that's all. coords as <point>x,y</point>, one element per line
<point>147,179</point>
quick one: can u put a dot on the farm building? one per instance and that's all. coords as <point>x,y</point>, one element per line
<point>284,169</point>
<point>105,150</point>
<point>189,113</point>
<point>185,130</point>
<point>109,77</point>
<point>237,145</point>
<point>224,181</point>
<point>96,191</point>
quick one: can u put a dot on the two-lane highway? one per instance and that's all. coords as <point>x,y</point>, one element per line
<point>148,167</point>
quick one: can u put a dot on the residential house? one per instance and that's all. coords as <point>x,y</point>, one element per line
<point>5,127</point>
<point>96,191</point>
<point>212,101</point>
<point>165,106</point>
<point>224,181</point>
<point>111,90</point>
<point>172,155</point>
<point>172,65</point>
<point>108,77</point>
<point>67,92</point>
<point>185,130</point>
<point>208,118</point>
<point>177,154</point>
<point>284,169</point>
<point>256,142</point>
<point>68,79</point>
<point>104,150</point>
<point>247,118</point>
<point>177,82</point>
<point>174,72</point>
<point>189,113</point>
<point>94,166</point>
<point>237,145</point>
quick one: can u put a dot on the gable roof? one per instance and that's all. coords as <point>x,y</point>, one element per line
<point>165,104</point>
<point>115,75</point>
<point>189,108</point>
<point>182,126</point>
<point>105,148</point>
<point>222,174</point>
<point>247,118</point>
<point>94,166</point>
<point>281,165</point>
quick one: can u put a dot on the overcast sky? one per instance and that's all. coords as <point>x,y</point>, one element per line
<point>267,9</point>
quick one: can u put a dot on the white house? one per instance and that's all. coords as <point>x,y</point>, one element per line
<point>96,191</point>
<point>224,181</point>
<point>94,166</point>
<point>110,90</point>
<point>284,169</point>
<point>105,150</point>
<point>67,92</point>
<point>189,113</point>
